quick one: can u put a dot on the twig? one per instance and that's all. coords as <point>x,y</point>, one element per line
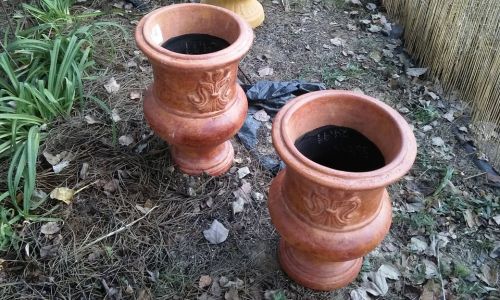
<point>115,232</point>
<point>245,75</point>
<point>473,176</point>
<point>439,268</point>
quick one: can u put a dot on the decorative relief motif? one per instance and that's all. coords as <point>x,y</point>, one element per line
<point>213,91</point>
<point>331,209</point>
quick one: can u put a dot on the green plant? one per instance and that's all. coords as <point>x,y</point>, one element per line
<point>423,219</point>
<point>55,14</point>
<point>330,76</point>
<point>460,270</point>
<point>41,77</point>
<point>426,113</point>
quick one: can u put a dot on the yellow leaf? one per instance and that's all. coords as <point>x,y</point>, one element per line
<point>63,194</point>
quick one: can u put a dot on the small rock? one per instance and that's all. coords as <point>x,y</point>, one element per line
<point>352,27</point>
<point>125,140</point>
<point>404,110</point>
<point>415,72</point>
<point>365,22</point>
<point>374,28</point>
<point>371,6</point>
<point>463,129</point>
<point>261,115</point>
<point>266,71</point>
<point>242,172</point>
<point>437,141</point>
<point>134,95</point>
<point>427,128</point>
<point>257,196</point>
<point>205,281</point>
<point>339,42</point>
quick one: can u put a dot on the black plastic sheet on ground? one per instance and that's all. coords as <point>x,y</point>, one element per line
<point>270,96</point>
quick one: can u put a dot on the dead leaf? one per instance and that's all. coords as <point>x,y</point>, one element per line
<point>114,115</point>
<point>417,245</point>
<point>238,205</point>
<point>217,233</point>
<point>242,172</point>
<point>469,218</point>
<point>232,294</point>
<point>339,42</point>
<point>84,170</point>
<point>431,270</point>
<point>205,281</point>
<point>60,166</point>
<point>49,251</point>
<point>415,72</point>
<point>431,291</point>
<point>266,71</point>
<point>125,140</point>
<point>50,228</point>
<point>51,159</point>
<point>389,271</point>
<point>375,55</point>
<point>377,286</point>
<point>63,194</point>
<point>134,95</point>
<point>111,186</point>
<point>449,116</point>
<point>112,86</point>
<point>489,275</point>
<point>91,120</point>
<point>359,294</point>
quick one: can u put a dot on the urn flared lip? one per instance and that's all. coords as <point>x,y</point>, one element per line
<point>154,51</point>
<point>394,169</point>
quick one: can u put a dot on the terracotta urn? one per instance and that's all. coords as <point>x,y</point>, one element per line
<point>251,10</point>
<point>195,103</point>
<point>330,204</point>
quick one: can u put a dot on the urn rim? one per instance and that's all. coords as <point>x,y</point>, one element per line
<point>240,43</point>
<point>397,166</point>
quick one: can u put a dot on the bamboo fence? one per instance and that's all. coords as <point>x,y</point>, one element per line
<point>459,40</point>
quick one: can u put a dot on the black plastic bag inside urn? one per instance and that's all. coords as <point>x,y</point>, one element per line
<point>340,148</point>
<point>195,44</point>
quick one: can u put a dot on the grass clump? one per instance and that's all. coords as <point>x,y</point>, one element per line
<point>42,71</point>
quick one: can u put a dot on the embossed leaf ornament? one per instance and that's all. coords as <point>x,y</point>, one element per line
<point>213,91</point>
<point>332,209</point>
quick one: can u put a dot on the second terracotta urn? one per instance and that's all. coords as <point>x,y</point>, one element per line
<point>195,103</point>
<point>330,204</point>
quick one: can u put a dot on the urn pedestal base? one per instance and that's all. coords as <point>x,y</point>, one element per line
<point>194,161</point>
<point>314,272</point>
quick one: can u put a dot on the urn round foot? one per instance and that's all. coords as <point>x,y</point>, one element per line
<point>212,161</point>
<point>315,273</point>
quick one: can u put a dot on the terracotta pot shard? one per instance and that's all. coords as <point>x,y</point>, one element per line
<point>195,103</point>
<point>330,203</point>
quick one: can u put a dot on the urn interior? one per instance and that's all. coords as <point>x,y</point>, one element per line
<point>199,21</point>
<point>348,115</point>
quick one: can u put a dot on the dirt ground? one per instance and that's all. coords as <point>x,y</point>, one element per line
<point>444,241</point>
